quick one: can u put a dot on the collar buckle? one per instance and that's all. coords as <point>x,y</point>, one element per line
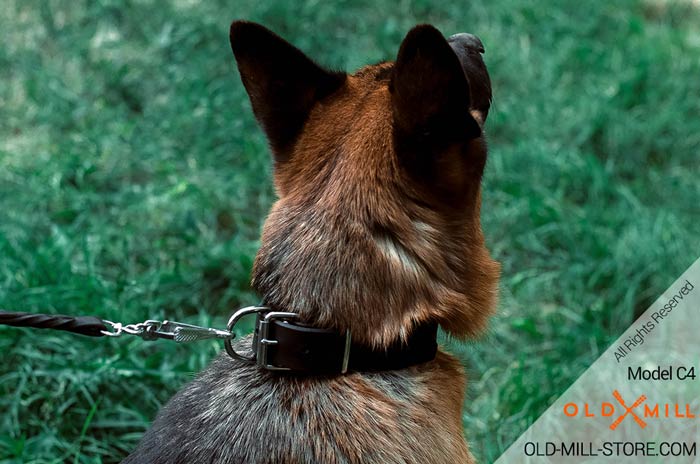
<point>263,340</point>
<point>283,343</point>
<point>263,330</point>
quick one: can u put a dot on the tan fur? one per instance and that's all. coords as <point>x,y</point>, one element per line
<point>359,239</point>
<point>341,183</point>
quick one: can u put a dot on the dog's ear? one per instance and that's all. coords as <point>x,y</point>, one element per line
<point>429,90</point>
<point>282,82</point>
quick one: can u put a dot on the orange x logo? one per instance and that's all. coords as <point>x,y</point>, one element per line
<point>629,410</point>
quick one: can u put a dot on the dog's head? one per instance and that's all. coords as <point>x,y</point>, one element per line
<point>378,174</point>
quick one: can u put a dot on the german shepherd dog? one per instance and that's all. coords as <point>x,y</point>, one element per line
<point>376,231</point>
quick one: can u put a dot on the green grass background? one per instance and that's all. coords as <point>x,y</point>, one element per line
<point>134,181</point>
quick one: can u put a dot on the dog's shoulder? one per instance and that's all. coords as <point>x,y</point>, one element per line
<point>232,408</point>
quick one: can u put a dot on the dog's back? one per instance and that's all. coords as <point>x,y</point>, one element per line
<point>235,413</point>
<point>376,231</point>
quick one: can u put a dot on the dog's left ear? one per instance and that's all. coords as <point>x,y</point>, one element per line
<point>429,90</point>
<point>282,82</point>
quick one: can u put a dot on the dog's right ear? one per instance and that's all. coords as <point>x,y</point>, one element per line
<point>429,91</point>
<point>282,82</point>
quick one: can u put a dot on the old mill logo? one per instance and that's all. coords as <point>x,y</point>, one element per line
<point>639,410</point>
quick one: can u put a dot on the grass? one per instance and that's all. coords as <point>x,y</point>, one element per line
<point>134,180</point>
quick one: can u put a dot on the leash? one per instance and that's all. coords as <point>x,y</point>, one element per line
<point>280,341</point>
<point>84,325</point>
<point>96,327</point>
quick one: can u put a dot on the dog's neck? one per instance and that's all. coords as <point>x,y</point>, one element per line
<point>377,227</point>
<point>378,276</point>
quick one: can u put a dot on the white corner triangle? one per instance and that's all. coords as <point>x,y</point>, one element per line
<point>588,423</point>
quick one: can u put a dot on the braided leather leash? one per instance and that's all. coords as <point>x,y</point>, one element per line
<point>84,325</point>
<point>96,327</point>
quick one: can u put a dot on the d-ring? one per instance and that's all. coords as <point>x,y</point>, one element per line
<point>232,323</point>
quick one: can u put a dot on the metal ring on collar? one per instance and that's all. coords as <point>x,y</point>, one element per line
<point>232,324</point>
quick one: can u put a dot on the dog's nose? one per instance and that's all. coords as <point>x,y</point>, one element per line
<point>468,49</point>
<point>466,40</point>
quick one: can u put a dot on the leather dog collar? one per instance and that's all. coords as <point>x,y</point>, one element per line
<point>280,343</point>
